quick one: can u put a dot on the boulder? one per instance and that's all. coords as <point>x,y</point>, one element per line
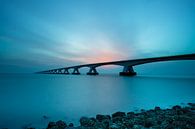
<point>87,122</point>
<point>191,104</point>
<point>114,126</point>
<point>119,114</point>
<point>106,123</point>
<point>130,114</point>
<point>61,124</point>
<point>71,125</point>
<point>157,108</point>
<point>148,123</point>
<point>100,118</point>
<point>117,119</point>
<point>51,125</point>
<point>177,107</point>
<point>138,127</point>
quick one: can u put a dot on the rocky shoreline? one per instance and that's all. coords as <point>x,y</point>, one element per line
<point>177,117</point>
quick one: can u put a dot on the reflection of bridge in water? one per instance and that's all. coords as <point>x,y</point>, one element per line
<point>127,64</point>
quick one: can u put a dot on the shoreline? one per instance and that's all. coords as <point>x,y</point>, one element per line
<point>177,117</point>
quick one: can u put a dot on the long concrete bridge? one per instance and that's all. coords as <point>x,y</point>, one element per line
<point>127,64</point>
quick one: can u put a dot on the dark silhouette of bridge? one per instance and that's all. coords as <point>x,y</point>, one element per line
<point>127,64</point>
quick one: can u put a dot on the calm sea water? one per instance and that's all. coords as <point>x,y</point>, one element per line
<point>26,98</point>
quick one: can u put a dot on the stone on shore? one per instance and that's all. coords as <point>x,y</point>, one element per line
<point>100,118</point>
<point>71,125</point>
<point>57,125</point>
<point>175,118</point>
<point>87,122</point>
<point>118,114</point>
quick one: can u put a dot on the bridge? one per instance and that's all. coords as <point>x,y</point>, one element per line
<point>126,64</point>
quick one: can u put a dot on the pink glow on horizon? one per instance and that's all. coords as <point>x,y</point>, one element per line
<point>104,56</point>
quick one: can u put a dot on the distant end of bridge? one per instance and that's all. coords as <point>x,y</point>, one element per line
<point>126,64</point>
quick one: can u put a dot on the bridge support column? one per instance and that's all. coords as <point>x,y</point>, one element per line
<point>92,71</point>
<point>59,71</point>
<point>55,71</point>
<point>76,71</point>
<point>127,71</point>
<point>66,71</point>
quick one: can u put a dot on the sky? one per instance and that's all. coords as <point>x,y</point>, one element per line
<point>42,34</point>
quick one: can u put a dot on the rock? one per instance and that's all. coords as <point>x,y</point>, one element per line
<point>191,104</point>
<point>148,124</point>
<point>169,126</point>
<point>176,118</point>
<point>151,112</point>
<point>157,108</point>
<point>100,118</point>
<point>114,126</point>
<point>87,122</point>
<point>71,125</point>
<point>61,124</point>
<point>130,114</point>
<point>138,127</point>
<point>57,125</point>
<point>84,121</point>
<point>75,128</point>
<point>117,119</point>
<point>186,109</point>
<point>128,124</point>
<point>177,107</point>
<point>158,122</point>
<point>106,123</point>
<point>119,114</point>
<point>51,125</point>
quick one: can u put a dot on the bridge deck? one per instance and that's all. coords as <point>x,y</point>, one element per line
<point>125,63</point>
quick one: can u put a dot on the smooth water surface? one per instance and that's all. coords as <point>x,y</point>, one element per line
<point>26,98</point>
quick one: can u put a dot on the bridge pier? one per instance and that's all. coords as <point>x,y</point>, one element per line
<point>54,72</point>
<point>76,71</point>
<point>92,71</point>
<point>66,71</point>
<point>127,71</point>
<point>59,71</point>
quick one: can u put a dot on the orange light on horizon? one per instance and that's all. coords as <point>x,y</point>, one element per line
<point>101,48</point>
<point>104,56</point>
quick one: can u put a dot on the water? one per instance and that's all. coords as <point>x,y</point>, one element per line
<point>26,98</point>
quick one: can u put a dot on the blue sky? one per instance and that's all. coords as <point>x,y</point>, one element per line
<point>41,34</point>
